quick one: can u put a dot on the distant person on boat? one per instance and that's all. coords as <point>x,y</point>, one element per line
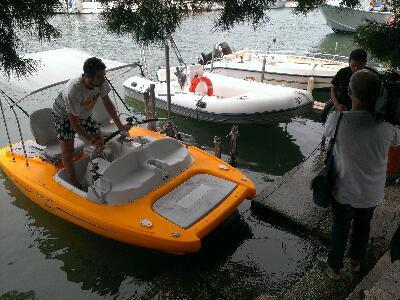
<point>340,99</point>
<point>360,164</point>
<point>377,6</point>
<point>73,109</point>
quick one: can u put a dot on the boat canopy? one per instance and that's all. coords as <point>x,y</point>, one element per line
<point>54,67</point>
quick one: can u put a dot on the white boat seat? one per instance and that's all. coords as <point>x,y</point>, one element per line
<point>102,117</point>
<point>172,154</point>
<point>131,177</point>
<point>43,129</point>
<point>54,151</point>
<point>136,184</point>
<point>142,170</point>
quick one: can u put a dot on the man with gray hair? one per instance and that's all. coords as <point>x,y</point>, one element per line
<point>360,152</point>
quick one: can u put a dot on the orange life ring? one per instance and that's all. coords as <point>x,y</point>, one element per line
<point>204,79</point>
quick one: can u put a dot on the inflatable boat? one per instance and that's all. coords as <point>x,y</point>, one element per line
<point>207,96</point>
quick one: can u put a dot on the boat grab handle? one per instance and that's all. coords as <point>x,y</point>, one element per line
<point>159,164</point>
<point>101,188</point>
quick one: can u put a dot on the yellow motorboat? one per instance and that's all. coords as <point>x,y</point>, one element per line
<point>146,189</point>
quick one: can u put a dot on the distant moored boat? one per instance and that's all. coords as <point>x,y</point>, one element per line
<point>279,4</point>
<point>83,6</point>
<point>344,19</point>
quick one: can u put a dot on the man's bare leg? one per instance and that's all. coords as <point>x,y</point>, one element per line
<point>67,153</point>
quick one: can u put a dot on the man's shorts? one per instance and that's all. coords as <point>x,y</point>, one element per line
<point>65,131</point>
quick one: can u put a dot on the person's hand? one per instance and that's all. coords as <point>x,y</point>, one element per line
<point>340,107</point>
<point>124,129</point>
<point>98,142</point>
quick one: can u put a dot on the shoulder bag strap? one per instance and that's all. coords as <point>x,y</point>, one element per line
<point>333,140</point>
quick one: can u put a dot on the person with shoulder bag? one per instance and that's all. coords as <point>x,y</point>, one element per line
<point>359,170</point>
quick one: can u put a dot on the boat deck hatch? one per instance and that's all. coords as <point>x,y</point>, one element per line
<point>193,199</point>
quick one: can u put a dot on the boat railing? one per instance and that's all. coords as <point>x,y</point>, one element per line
<point>12,108</point>
<point>319,55</point>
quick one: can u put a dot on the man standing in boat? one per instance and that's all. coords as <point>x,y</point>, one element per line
<point>340,99</point>
<point>73,109</point>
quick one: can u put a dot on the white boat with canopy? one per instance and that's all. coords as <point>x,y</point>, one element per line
<point>344,19</point>
<point>280,67</point>
<point>54,67</point>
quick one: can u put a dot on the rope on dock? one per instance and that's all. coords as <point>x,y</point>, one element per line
<point>319,106</point>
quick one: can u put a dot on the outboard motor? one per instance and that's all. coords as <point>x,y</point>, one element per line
<point>181,76</point>
<point>223,49</point>
<point>206,58</point>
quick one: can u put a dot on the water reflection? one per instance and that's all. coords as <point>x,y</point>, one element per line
<point>242,258</point>
<point>336,43</point>
<point>270,150</point>
<point>342,44</point>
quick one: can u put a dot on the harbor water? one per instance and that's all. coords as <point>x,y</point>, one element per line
<point>44,257</point>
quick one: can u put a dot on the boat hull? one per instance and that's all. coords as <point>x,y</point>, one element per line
<point>259,103</point>
<point>266,118</point>
<point>346,20</point>
<point>295,81</point>
<point>124,222</point>
<point>281,69</point>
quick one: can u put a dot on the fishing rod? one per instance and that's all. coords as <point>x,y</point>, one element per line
<point>16,104</point>
<point>130,122</point>
<point>176,50</point>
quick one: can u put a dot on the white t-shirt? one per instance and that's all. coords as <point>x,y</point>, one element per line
<point>361,152</point>
<point>76,99</point>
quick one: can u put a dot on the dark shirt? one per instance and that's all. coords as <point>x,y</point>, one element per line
<point>341,81</point>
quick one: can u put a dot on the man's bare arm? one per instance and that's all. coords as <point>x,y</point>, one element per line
<point>334,95</point>
<point>335,101</point>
